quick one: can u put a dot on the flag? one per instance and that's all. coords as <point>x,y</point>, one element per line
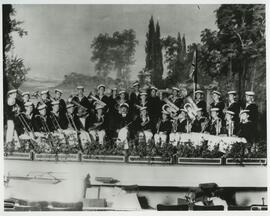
<point>193,69</point>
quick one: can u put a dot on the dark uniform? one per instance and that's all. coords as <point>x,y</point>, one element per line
<point>253,112</point>
<point>246,130</point>
<point>221,107</point>
<point>134,98</point>
<point>84,102</point>
<point>197,124</point>
<point>154,109</point>
<point>100,121</point>
<point>139,125</point>
<point>31,122</point>
<point>164,126</point>
<point>211,127</point>
<point>179,102</point>
<point>60,119</point>
<point>235,107</point>
<point>180,127</point>
<point>202,104</point>
<point>104,99</point>
<point>44,123</point>
<point>62,105</point>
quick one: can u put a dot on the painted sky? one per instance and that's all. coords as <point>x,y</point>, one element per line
<point>59,36</point>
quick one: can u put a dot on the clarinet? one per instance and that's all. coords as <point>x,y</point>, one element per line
<point>59,127</point>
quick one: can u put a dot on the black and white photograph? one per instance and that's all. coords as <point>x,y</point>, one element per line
<point>134,107</point>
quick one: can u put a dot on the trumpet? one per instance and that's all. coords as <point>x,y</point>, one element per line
<point>98,101</point>
<point>71,100</point>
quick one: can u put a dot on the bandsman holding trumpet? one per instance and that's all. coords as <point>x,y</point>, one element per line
<point>62,103</point>
<point>175,98</point>
<point>58,115</point>
<point>199,123</point>
<point>143,124</point>
<point>200,102</point>
<point>97,125</point>
<point>214,126</point>
<point>217,103</point>
<point>164,127</point>
<point>81,100</point>
<point>231,125</point>
<point>233,105</point>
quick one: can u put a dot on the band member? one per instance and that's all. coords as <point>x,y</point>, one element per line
<point>200,102</point>
<point>164,127</point>
<point>199,123</point>
<point>135,95</point>
<point>122,100</point>
<point>123,125</point>
<point>82,99</point>
<point>58,116</point>
<point>13,109</point>
<point>233,105</point>
<point>175,97</point>
<point>179,125</point>
<point>143,125</point>
<point>29,116</point>
<point>214,126</point>
<point>43,120</point>
<point>231,125</point>
<point>246,129</point>
<point>113,101</point>
<point>45,99</point>
<point>97,125</point>
<point>154,106</point>
<point>26,97</point>
<point>62,103</point>
<point>217,103</point>
<point>73,119</point>
<point>102,97</point>
<point>252,107</point>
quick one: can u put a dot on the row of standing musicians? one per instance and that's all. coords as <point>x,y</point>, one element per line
<point>122,117</point>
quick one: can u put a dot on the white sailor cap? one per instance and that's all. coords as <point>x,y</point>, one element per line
<point>175,88</point>
<point>199,109</point>
<point>44,92</point>
<point>58,90</point>
<point>29,103</point>
<point>122,92</point>
<point>250,93</point>
<point>244,111</point>
<point>99,106</point>
<point>56,102</point>
<point>42,106</point>
<point>101,85</point>
<point>154,88</point>
<point>230,112</point>
<point>136,83</point>
<point>232,92</point>
<point>215,109</point>
<point>114,89</point>
<point>124,105</point>
<point>216,92</point>
<point>199,91</point>
<point>12,91</point>
<point>70,105</point>
<point>80,87</point>
<point>25,93</point>
<point>143,93</point>
<point>143,108</point>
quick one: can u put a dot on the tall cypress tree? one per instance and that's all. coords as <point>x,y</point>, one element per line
<point>149,46</point>
<point>184,48</point>
<point>158,68</point>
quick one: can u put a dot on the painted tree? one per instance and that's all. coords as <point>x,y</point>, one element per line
<point>158,66</point>
<point>114,53</point>
<point>150,46</point>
